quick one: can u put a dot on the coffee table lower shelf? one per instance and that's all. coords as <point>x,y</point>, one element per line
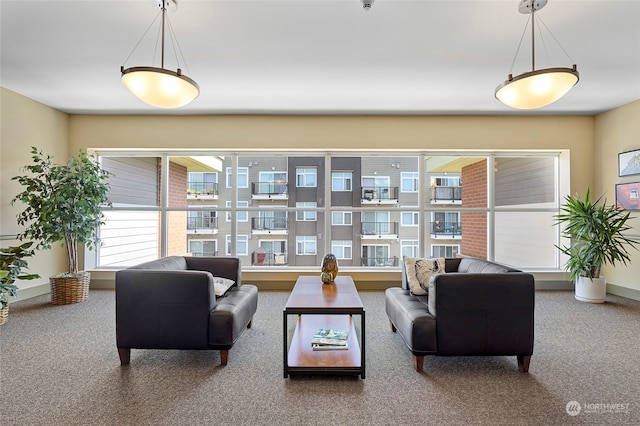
<point>302,359</point>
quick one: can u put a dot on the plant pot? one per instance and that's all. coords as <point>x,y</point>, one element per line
<point>68,290</point>
<point>591,290</point>
<point>4,315</point>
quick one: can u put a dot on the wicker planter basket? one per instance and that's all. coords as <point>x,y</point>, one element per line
<point>68,290</point>
<point>4,315</point>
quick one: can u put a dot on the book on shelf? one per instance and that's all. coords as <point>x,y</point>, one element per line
<point>319,347</point>
<point>328,339</point>
<point>331,333</point>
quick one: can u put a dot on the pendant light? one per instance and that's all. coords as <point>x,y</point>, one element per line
<point>537,88</point>
<point>160,87</point>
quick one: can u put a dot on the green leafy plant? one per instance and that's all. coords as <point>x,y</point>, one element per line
<point>596,233</point>
<point>11,265</point>
<point>64,203</point>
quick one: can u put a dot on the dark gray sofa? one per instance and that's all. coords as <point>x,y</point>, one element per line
<point>476,308</point>
<point>170,303</point>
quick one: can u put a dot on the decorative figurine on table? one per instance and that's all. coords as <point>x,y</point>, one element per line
<point>329,268</point>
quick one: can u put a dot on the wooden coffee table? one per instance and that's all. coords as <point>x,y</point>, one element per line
<point>319,305</point>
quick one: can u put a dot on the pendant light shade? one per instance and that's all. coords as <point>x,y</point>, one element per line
<point>537,88</point>
<point>160,87</point>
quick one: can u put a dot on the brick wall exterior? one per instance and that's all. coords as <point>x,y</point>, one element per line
<point>474,224</point>
<point>177,235</point>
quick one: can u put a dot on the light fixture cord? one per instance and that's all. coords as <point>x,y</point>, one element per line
<point>164,13</point>
<point>524,31</point>
<point>554,38</point>
<point>141,38</point>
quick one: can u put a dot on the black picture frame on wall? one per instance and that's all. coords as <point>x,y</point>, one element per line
<point>629,163</point>
<point>628,196</point>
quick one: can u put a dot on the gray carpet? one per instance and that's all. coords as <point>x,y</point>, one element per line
<point>59,366</point>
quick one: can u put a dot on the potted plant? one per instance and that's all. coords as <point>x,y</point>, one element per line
<point>596,233</point>
<point>11,265</point>
<point>64,204</point>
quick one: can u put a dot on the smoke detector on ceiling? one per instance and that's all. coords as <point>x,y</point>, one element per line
<point>366,4</point>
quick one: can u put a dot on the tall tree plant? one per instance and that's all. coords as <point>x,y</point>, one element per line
<point>596,233</point>
<point>63,203</point>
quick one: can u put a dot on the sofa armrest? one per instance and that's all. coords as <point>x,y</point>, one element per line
<point>163,308</point>
<point>490,313</point>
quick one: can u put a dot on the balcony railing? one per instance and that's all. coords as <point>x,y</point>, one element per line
<point>261,258</point>
<point>269,224</point>
<point>379,194</point>
<point>269,190</point>
<point>379,261</point>
<point>444,229</point>
<point>202,188</point>
<point>446,195</point>
<point>208,225</point>
<point>379,229</point>
<point>204,254</point>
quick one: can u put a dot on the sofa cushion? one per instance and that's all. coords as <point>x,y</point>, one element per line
<point>222,285</point>
<point>419,273</point>
<point>472,265</point>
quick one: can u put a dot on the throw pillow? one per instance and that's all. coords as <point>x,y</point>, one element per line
<point>412,280</point>
<point>425,268</point>
<point>222,285</point>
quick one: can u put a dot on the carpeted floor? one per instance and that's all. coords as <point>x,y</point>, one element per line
<point>59,366</point>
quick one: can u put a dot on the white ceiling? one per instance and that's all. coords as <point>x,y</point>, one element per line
<point>319,57</point>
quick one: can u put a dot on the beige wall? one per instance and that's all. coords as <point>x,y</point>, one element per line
<point>593,142</point>
<point>25,123</point>
<point>618,131</point>
<point>341,133</point>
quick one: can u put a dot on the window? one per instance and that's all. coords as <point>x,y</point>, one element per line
<point>409,248</point>
<point>202,220</point>
<point>376,255</point>
<point>409,182</point>
<point>241,215</point>
<point>410,218</point>
<point>445,250</point>
<point>243,177</point>
<point>341,181</point>
<point>446,223</point>
<point>497,202</point>
<point>306,215</point>
<point>202,183</point>
<point>306,246</point>
<point>341,218</point>
<point>341,249</point>
<point>306,177</point>
<point>203,247</point>
<point>273,183</point>
<point>242,245</point>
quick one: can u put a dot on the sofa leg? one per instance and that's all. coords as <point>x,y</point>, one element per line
<point>418,362</point>
<point>393,327</point>
<point>125,355</point>
<point>224,356</point>
<point>250,323</point>
<point>523,363</point>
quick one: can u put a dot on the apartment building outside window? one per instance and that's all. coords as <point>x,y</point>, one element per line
<point>370,209</point>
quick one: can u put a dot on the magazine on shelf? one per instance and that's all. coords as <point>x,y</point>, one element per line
<point>318,347</point>
<point>330,333</point>
<point>327,339</point>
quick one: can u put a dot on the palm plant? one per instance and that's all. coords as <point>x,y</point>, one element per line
<point>595,230</point>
